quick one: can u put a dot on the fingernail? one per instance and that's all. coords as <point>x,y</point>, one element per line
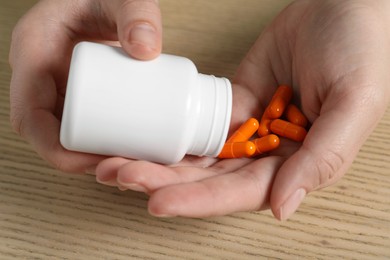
<point>111,183</point>
<point>161,215</point>
<point>134,187</point>
<point>121,188</point>
<point>291,204</point>
<point>144,34</point>
<point>91,170</point>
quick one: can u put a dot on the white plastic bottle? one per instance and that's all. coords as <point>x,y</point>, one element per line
<point>155,110</point>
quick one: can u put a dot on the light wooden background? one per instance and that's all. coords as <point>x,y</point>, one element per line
<point>45,214</point>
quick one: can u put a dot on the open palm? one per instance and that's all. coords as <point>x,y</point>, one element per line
<point>335,54</point>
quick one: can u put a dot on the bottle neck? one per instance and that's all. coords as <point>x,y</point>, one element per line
<point>214,112</point>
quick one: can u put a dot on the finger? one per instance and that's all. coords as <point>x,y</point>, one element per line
<point>138,25</point>
<point>39,74</point>
<point>107,170</point>
<point>192,160</point>
<point>244,190</point>
<point>38,85</point>
<point>32,116</point>
<point>345,121</point>
<point>41,129</point>
<point>118,171</point>
<point>151,176</point>
<point>263,68</point>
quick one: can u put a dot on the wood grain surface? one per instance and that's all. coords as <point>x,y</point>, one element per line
<point>46,214</point>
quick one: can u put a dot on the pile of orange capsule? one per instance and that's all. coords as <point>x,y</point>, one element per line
<point>245,143</point>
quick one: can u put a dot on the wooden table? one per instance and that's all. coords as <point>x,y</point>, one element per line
<point>46,214</point>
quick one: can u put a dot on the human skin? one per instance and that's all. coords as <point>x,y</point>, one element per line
<point>336,56</point>
<point>42,43</point>
<point>334,53</point>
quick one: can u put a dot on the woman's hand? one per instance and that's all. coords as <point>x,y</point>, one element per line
<point>336,55</point>
<point>41,48</point>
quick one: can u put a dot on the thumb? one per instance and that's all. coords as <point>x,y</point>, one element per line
<point>139,27</point>
<point>345,121</point>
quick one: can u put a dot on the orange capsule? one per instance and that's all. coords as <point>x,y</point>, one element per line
<point>245,131</point>
<point>237,150</point>
<point>295,116</point>
<point>264,126</point>
<point>279,102</point>
<point>288,130</point>
<point>266,144</point>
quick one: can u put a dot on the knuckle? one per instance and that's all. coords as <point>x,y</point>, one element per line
<point>61,163</point>
<point>256,188</point>
<point>15,124</point>
<point>55,157</point>
<point>17,120</point>
<point>328,167</point>
<point>19,112</point>
<point>146,7</point>
<point>57,163</point>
